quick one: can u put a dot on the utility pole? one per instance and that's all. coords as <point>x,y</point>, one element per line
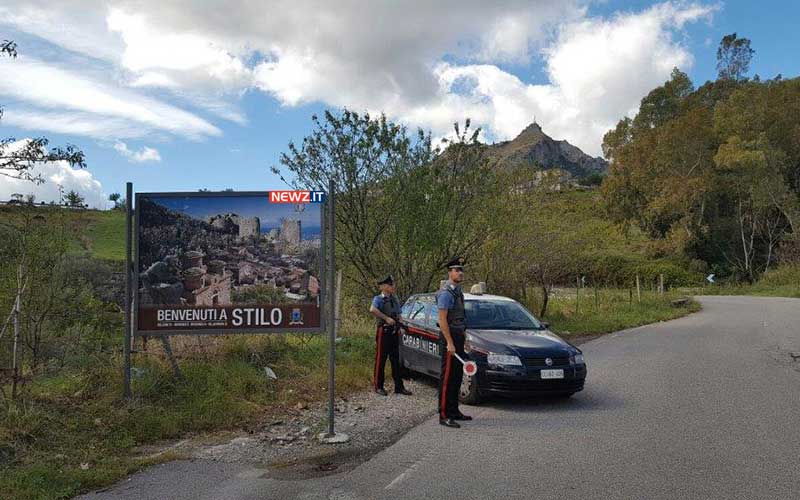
<point>129,274</point>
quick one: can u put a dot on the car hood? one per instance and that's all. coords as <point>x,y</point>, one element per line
<point>522,340</point>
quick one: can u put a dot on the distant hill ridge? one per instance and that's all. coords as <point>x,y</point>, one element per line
<point>535,149</point>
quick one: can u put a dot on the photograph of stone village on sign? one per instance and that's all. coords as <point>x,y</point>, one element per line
<point>226,261</point>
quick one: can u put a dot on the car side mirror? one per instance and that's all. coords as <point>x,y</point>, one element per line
<point>545,324</point>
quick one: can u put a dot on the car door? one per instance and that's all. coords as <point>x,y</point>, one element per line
<point>411,316</point>
<point>423,335</point>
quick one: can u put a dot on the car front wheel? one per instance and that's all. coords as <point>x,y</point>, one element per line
<point>469,393</point>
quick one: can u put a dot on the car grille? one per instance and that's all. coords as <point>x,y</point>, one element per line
<point>540,363</point>
<point>542,386</point>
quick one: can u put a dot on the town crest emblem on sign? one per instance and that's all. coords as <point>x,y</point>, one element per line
<point>297,317</point>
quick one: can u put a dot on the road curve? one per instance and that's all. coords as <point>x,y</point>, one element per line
<point>706,406</point>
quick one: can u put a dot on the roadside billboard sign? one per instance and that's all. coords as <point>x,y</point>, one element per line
<point>228,262</point>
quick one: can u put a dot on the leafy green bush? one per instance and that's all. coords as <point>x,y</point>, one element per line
<point>783,275</point>
<point>609,269</point>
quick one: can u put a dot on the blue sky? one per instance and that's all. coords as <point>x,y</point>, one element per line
<point>175,97</point>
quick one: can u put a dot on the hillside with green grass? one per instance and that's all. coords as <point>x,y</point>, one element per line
<point>105,235</point>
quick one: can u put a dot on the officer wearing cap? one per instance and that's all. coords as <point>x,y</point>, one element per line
<point>386,309</point>
<point>452,322</point>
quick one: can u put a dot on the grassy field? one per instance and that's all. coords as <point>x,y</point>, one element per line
<point>105,234</point>
<point>99,234</point>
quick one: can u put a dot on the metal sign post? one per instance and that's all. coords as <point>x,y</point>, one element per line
<point>330,324</point>
<point>126,348</point>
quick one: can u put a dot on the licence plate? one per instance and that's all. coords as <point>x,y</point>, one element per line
<point>548,374</point>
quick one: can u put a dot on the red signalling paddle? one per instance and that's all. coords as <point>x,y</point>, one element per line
<point>470,368</point>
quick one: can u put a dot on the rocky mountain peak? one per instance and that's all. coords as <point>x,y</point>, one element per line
<point>531,134</point>
<point>535,149</point>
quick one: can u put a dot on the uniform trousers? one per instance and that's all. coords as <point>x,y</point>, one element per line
<point>387,346</point>
<point>451,375</point>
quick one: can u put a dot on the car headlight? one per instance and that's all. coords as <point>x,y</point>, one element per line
<point>503,359</point>
<point>576,359</point>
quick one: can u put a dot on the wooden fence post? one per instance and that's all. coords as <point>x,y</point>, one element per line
<point>638,289</point>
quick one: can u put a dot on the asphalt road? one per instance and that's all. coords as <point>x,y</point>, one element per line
<point>707,406</point>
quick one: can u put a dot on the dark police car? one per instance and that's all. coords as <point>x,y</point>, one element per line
<point>515,353</point>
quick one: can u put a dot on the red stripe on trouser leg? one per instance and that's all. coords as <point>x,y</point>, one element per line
<point>443,395</point>
<point>378,355</point>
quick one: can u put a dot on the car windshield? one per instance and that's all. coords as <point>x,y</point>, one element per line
<point>499,315</point>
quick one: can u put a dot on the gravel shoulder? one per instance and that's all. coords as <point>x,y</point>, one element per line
<point>287,446</point>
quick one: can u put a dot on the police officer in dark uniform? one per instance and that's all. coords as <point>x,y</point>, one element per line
<point>452,323</point>
<point>386,308</point>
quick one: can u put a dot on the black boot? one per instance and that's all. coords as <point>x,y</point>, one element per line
<point>381,391</point>
<point>449,422</point>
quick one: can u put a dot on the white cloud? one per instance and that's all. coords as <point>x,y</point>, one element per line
<point>187,56</point>
<point>143,155</point>
<point>75,123</point>
<point>48,86</point>
<point>599,69</point>
<point>76,25</point>
<point>426,63</point>
<point>56,174</point>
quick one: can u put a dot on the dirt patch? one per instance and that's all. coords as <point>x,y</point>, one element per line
<point>286,446</point>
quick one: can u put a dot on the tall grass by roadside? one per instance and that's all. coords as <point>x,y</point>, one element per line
<point>783,281</point>
<point>605,310</point>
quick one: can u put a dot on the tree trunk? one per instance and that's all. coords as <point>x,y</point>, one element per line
<point>545,300</point>
<point>14,360</point>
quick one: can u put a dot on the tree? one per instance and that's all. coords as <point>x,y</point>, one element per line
<point>74,199</point>
<point>535,243</point>
<point>714,176</point>
<point>28,265</point>
<point>664,103</point>
<point>118,200</point>
<point>30,199</point>
<point>750,171</point>
<point>361,154</point>
<point>403,206</point>
<point>18,159</point>
<point>442,210</point>
<point>733,57</point>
